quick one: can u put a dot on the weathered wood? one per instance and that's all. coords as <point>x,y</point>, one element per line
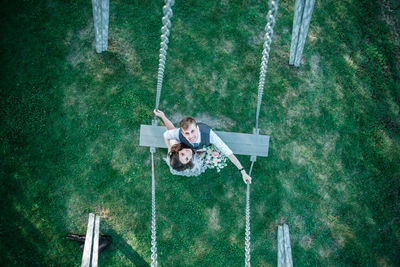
<point>87,250</point>
<point>284,248</point>
<point>101,12</point>
<point>298,11</point>
<point>288,249</point>
<point>281,247</point>
<point>95,255</point>
<point>239,143</point>
<point>91,247</point>
<point>301,23</point>
<point>105,14</point>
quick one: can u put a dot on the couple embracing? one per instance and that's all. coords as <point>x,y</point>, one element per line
<point>194,147</point>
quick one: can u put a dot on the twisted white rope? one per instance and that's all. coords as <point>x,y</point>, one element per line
<point>164,46</point>
<point>167,11</point>
<point>273,9</point>
<point>247,234</point>
<point>269,28</point>
<point>153,216</point>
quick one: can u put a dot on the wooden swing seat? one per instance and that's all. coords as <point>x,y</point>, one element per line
<point>239,143</point>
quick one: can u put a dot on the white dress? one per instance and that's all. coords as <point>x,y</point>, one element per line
<point>211,158</point>
<point>197,169</point>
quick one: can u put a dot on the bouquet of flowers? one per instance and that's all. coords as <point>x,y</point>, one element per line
<point>213,158</point>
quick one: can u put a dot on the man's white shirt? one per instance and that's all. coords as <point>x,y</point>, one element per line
<point>214,139</point>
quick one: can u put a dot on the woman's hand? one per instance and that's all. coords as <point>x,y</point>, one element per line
<point>246,177</point>
<point>159,113</point>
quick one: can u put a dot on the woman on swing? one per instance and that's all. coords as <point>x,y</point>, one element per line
<point>194,147</point>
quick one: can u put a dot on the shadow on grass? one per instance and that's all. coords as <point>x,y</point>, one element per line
<point>120,243</point>
<point>25,239</point>
<point>20,231</point>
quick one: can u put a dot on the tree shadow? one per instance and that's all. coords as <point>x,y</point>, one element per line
<point>28,254</point>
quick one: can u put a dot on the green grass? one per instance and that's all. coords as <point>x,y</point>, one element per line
<point>70,131</point>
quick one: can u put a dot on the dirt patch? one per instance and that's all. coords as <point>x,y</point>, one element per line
<point>306,241</point>
<point>297,152</point>
<point>315,59</point>
<point>229,193</point>
<point>339,242</point>
<point>382,261</point>
<point>87,31</point>
<point>200,248</point>
<point>228,46</point>
<point>299,222</point>
<point>389,16</point>
<point>220,122</point>
<point>213,218</point>
<point>103,212</point>
<point>74,58</point>
<point>76,42</point>
<point>285,29</point>
<point>215,123</point>
<point>75,101</point>
<point>119,45</point>
<point>257,39</point>
<point>260,209</point>
<point>324,252</point>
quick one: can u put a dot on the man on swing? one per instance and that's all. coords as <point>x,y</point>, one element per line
<point>195,136</point>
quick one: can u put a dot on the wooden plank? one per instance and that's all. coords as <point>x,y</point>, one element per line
<point>239,143</point>
<point>87,250</point>
<point>95,255</point>
<point>284,248</point>
<point>105,14</point>
<point>152,136</point>
<point>298,12</point>
<point>281,247</point>
<point>96,6</point>
<point>101,10</point>
<point>288,249</point>
<point>305,23</point>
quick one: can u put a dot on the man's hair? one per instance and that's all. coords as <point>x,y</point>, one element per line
<point>186,122</point>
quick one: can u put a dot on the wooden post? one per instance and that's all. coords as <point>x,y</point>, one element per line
<point>101,11</point>
<point>302,16</point>
<point>91,248</point>
<point>281,247</point>
<point>284,248</point>
<point>288,248</point>
<point>105,14</point>
<point>87,249</point>
<point>95,255</point>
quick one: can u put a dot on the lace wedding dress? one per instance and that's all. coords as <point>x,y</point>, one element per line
<point>197,169</point>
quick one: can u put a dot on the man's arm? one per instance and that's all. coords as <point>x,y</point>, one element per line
<point>167,143</point>
<point>171,135</point>
<point>236,162</point>
<point>217,141</point>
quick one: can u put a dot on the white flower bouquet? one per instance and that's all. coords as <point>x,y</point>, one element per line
<point>213,158</point>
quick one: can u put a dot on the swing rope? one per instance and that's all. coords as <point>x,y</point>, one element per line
<point>273,9</point>
<point>167,11</point>
<point>247,233</point>
<point>153,215</point>
<point>269,28</point>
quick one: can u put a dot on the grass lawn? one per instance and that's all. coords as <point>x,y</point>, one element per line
<point>70,123</point>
